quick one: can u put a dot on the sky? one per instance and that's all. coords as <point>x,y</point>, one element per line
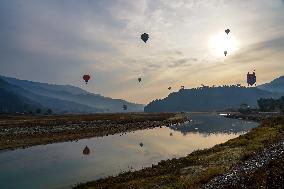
<point>58,41</point>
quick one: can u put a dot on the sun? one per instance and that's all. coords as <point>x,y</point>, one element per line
<point>222,42</point>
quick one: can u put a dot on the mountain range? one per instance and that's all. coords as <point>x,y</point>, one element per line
<point>275,86</point>
<point>216,98</point>
<point>27,96</point>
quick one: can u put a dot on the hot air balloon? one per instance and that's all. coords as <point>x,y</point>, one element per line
<point>145,37</point>
<point>139,79</point>
<point>86,151</point>
<point>225,53</point>
<point>86,78</point>
<point>170,88</point>
<point>251,78</point>
<point>124,107</point>
<point>227,31</point>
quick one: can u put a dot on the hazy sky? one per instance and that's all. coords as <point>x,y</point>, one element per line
<point>57,41</point>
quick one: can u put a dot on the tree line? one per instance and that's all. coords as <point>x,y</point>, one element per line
<point>270,104</point>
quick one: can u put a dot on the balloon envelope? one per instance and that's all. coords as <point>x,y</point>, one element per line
<point>145,37</point>
<point>225,53</point>
<point>227,31</point>
<point>251,78</point>
<point>86,78</point>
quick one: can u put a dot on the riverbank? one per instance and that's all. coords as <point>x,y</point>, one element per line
<point>263,170</point>
<point>257,117</point>
<point>24,131</point>
<point>198,169</point>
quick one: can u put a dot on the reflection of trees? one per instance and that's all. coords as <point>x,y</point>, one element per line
<point>208,127</point>
<point>205,133</point>
<point>208,132</point>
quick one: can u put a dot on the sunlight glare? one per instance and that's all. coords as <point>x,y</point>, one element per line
<point>223,42</point>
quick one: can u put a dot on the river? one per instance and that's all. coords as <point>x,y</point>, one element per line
<point>63,165</point>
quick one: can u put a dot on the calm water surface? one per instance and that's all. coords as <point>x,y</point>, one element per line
<point>62,165</point>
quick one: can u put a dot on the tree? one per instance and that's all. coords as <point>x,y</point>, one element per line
<point>244,108</point>
<point>266,104</point>
<point>38,111</point>
<point>281,104</point>
<point>270,104</point>
<point>49,111</point>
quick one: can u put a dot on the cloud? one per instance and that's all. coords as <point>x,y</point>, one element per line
<point>58,41</point>
<point>257,52</point>
<point>184,62</point>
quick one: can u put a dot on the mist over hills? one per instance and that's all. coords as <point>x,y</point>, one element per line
<point>10,101</point>
<point>216,98</point>
<point>24,96</point>
<point>59,98</point>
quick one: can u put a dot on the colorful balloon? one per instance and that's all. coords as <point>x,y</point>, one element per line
<point>86,78</point>
<point>251,78</point>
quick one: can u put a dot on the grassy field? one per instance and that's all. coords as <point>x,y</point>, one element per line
<point>201,166</point>
<point>24,131</point>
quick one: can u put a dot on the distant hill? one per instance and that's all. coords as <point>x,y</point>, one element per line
<point>208,99</point>
<point>18,99</point>
<point>67,98</point>
<point>277,85</point>
<point>13,102</point>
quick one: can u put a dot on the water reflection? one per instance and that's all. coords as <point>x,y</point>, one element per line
<point>64,164</point>
<point>207,124</point>
<point>86,151</point>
